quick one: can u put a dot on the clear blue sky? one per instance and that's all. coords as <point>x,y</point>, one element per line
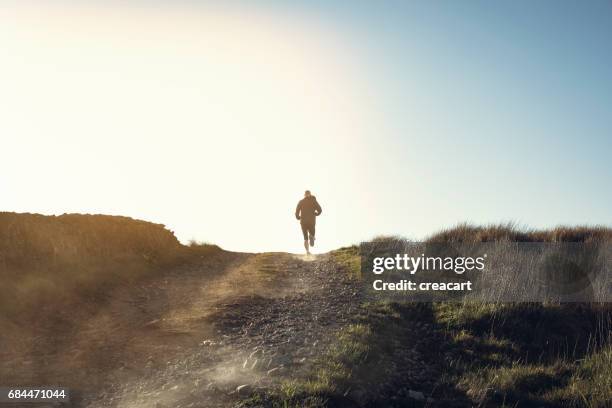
<point>402,117</point>
<point>514,102</point>
<point>495,110</point>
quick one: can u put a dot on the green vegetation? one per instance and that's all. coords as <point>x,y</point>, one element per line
<point>356,366</point>
<point>464,354</point>
<point>347,259</point>
<point>529,354</point>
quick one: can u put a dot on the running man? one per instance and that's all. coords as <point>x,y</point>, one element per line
<point>307,211</point>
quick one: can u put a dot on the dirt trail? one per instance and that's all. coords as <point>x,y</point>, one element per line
<point>194,336</point>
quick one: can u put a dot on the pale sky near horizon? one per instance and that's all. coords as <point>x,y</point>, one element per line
<point>401,117</point>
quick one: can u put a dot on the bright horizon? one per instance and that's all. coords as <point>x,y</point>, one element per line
<point>400,119</point>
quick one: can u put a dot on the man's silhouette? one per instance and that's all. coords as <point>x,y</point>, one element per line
<point>307,211</point>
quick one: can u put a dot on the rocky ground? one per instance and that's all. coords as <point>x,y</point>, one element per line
<point>258,324</point>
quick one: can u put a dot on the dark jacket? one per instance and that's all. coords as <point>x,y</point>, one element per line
<point>307,210</point>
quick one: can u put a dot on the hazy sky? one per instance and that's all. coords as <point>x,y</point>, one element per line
<point>401,117</point>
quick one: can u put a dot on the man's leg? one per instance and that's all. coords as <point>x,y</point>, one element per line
<point>305,233</point>
<point>311,232</point>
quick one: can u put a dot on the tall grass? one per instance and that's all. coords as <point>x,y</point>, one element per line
<point>529,354</point>
<point>469,353</point>
<point>512,233</point>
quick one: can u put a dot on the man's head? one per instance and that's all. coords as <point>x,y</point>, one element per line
<point>307,193</point>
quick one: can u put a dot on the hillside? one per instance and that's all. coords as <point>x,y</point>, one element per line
<point>128,317</point>
<point>50,261</point>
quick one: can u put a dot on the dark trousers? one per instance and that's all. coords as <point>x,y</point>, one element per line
<point>308,227</point>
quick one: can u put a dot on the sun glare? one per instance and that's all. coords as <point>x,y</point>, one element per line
<point>212,122</point>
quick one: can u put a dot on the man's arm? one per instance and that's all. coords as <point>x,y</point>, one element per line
<point>298,210</point>
<point>318,209</point>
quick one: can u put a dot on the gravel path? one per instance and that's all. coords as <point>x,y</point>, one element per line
<point>261,322</point>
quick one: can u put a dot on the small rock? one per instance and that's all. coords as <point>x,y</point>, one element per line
<point>417,395</point>
<point>275,370</point>
<point>243,389</point>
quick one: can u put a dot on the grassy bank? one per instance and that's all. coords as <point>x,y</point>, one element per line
<point>464,354</point>
<point>51,261</point>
